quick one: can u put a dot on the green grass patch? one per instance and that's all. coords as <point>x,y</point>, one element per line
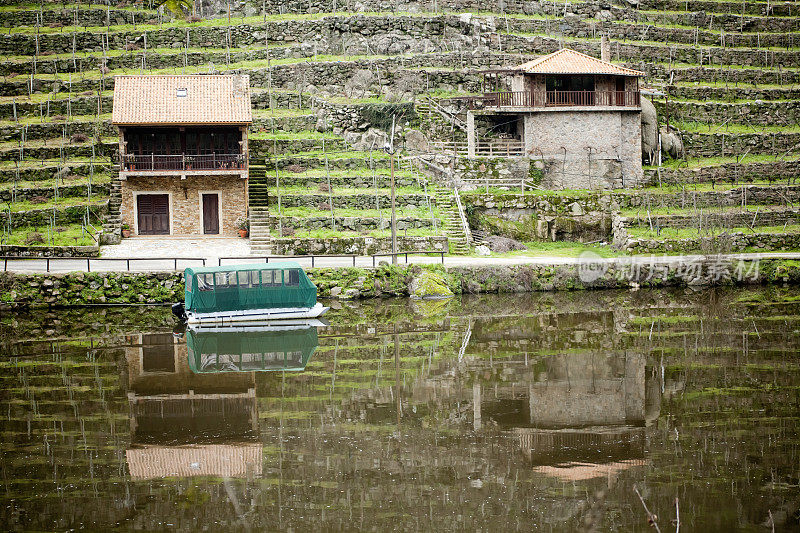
<point>72,235</point>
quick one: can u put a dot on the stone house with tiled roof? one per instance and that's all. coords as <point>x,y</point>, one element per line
<point>183,152</point>
<point>577,115</point>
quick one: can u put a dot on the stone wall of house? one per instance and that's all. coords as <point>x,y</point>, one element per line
<point>185,210</point>
<point>586,149</point>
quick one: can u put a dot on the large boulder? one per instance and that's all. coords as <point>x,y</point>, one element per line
<point>649,131</point>
<point>671,144</point>
<point>416,141</point>
<point>501,245</point>
<point>429,284</point>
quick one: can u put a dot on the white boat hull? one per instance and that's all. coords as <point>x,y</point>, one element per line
<point>254,316</point>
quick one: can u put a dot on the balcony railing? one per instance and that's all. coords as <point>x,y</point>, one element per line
<point>556,99</point>
<point>182,162</point>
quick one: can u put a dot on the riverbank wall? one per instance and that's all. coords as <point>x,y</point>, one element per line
<point>109,288</point>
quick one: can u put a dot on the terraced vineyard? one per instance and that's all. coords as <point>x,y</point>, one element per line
<point>440,432</point>
<point>325,74</point>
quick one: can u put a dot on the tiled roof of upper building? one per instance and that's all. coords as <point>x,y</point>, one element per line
<point>567,61</point>
<point>196,99</point>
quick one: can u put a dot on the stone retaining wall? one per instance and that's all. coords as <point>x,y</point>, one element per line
<point>716,244</point>
<point>63,216</point>
<point>50,251</point>
<point>355,245</point>
<point>709,218</point>
<point>780,113</point>
<point>77,289</point>
<point>732,172</point>
<point>714,144</point>
<point>353,223</point>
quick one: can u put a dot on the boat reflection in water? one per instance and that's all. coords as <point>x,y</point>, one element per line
<point>193,406</point>
<point>285,345</point>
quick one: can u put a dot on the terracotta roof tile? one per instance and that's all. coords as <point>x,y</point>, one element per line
<point>210,99</point>
<point>567,61</point>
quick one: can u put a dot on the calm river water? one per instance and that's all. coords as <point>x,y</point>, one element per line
<point>493,413</point>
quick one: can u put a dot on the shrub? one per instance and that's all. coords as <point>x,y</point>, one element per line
<point>34,238</point>
<point>58,118</point>
<point>79,138</point>
<point>323,187</point>
<point>194,18</point>
<point>295,168</point>
<point>38,199</point>
<point>132,46</point>
<point>287,231</point>
<point>324,206</point>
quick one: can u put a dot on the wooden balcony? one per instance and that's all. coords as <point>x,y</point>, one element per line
<point>555,99</point>
<point>153,164</point>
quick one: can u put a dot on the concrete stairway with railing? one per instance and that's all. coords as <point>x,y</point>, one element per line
<point>455,227</point>
<point>258,199</point>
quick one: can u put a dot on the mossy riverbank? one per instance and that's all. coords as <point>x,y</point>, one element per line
<point>79,289</point>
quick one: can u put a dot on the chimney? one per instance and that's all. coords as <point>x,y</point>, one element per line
<point>605,48</point>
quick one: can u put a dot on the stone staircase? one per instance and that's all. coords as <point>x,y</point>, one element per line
<point>258,201</point>
<point>435,119</point>
<point>457,235</point>
<point>112,224</point>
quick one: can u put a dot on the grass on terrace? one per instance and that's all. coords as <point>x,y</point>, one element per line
<point>97,179</point>
<point>406,212</point>
<point>641,212</point>
<point>561,249</point>
<point>706,127</point>
<point>26,205</point>
<point>331,234</point>
<point>72,235</point>
<point>344,191</point>
<point>703,162</point>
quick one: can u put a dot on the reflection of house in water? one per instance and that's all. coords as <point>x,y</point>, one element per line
<point>578,416</point>
<point>187,424</point>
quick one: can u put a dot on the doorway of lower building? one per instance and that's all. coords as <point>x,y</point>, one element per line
<point>210,203</point>
<point>152,211</point>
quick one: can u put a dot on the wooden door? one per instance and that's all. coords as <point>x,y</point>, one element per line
<point>211,214</point>
<point>153,214</point>
<point>620,91</point>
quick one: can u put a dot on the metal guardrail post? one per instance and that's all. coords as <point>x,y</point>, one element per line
<point>175,264</point>
<point>354,260</point>
<point>312,261</point>
<point>128,264</point>
<point>48,264</point>
<point>88,265</point>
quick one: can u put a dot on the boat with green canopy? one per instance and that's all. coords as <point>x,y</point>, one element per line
<point>248,294</point>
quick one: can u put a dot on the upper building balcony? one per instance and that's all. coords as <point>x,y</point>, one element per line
<point>519,100</point>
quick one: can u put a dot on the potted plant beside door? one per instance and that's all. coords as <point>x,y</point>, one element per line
<point>126,231</point>
<point>243,224</point>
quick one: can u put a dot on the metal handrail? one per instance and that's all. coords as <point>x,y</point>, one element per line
<point>555,99</point>
<point>314,257</point>
<point>7,258</point>
<point>462,216</point>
